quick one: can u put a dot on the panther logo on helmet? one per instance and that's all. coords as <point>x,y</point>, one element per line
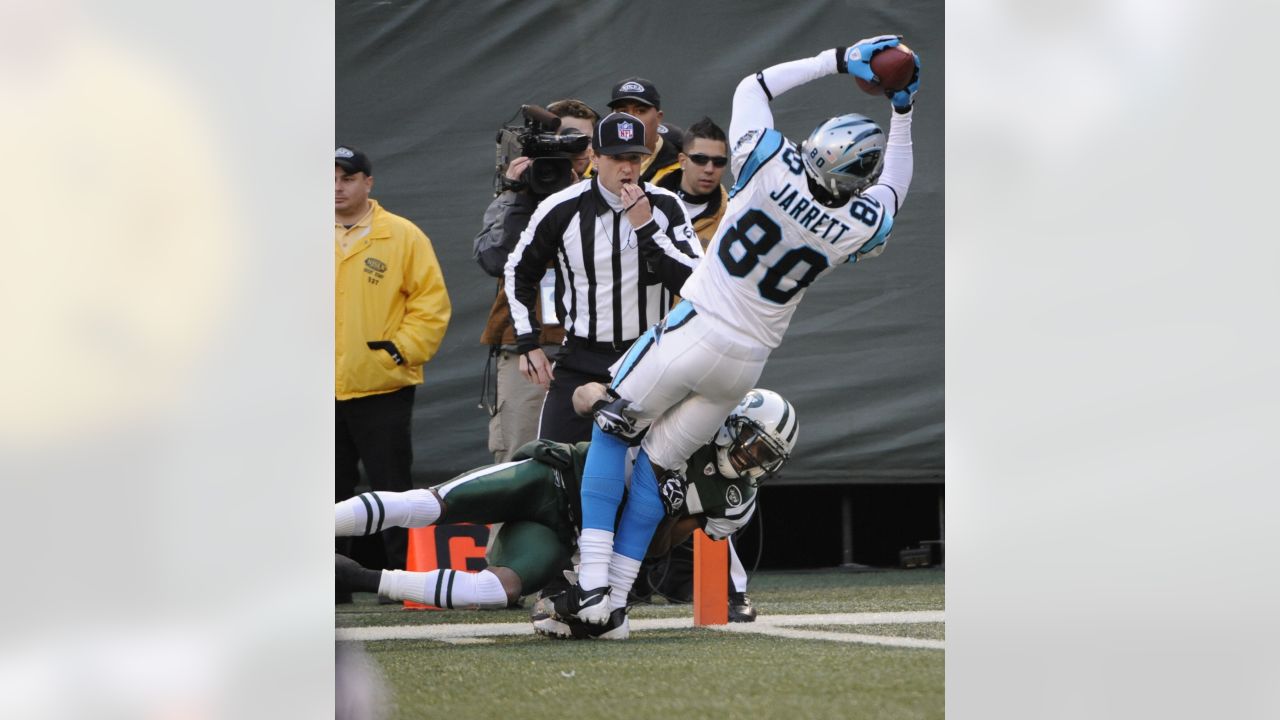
<point>844,155</point>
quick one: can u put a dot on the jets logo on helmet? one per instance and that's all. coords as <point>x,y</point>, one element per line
<point>844,154</point>
<point>757,438</point>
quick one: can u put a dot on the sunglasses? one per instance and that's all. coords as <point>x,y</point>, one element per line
<point>700,159</point>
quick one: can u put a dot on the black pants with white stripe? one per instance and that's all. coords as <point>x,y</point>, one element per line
<point>576,366</point>
<point>374,431</point>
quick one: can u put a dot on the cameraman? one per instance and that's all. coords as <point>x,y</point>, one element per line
<point>518,404</point>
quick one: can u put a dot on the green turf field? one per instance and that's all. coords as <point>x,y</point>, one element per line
<point>694,672</point>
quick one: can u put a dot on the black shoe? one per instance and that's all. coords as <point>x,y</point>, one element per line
<point>545,620</point>
<point>543,608</point>
<point>350,575</point>
<point>617,628</point>
<point>740,608</point>
<point>573,602</point>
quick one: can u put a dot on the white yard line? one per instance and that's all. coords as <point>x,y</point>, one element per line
<point>775,625</point>
<point>458,630</point>
<point>864,618</point>
<point>786,632</point>
<point>467,640</point>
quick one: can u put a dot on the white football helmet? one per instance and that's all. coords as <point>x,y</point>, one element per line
<point>757,437</point>
<point>845,154</point>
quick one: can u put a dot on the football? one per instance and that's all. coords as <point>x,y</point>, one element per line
<point>894,66</point>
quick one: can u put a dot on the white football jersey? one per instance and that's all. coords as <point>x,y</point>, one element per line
<point>776,239</point>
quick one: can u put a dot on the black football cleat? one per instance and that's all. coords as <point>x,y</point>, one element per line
<point>740,608</point>
<point>590,606</point>
<point>545,620</point>
<point>543,608</point>
<point>617,627</point>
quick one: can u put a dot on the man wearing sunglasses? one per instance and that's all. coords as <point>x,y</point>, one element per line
<point>697,182</point>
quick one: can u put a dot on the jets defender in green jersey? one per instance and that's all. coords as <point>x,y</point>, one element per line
<point>536,498</point>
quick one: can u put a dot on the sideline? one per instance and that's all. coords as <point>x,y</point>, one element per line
<point>774,625</point>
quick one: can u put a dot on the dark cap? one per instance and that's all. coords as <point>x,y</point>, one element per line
<point>620,133</point>
<point>352,160</point>
<point>636,88</point>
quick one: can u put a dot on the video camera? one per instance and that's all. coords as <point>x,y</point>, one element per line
<point>552,166</point>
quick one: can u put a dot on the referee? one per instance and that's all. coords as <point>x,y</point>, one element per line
<point>621,249</point>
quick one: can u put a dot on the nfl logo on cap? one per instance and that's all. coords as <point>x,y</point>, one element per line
<point>625,131</point>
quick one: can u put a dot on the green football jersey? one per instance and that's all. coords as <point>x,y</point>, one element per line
<point>727,503</point>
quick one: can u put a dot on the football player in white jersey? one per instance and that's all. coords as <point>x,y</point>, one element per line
<point>795,212</point>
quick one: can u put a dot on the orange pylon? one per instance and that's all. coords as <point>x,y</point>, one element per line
<point>710,580</point>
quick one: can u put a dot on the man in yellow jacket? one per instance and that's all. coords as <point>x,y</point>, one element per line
<point>391,311</point>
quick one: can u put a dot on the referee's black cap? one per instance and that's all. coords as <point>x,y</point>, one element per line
<point>620,133</point>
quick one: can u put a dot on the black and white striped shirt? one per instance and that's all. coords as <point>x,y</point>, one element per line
<point>613,281</point>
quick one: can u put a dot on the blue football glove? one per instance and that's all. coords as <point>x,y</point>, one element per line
<point>904,98</point>
<point>857,58</point>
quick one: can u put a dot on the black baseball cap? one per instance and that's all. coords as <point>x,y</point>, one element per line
<point>619,133</point>
<point>352,160</point>
<point>636,88</point>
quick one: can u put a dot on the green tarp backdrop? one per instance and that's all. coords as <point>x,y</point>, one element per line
<point>423,86</point>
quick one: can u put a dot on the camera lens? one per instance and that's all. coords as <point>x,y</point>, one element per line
<point>548,175</point>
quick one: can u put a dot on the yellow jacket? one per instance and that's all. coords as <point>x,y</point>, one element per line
<point>389,288</point>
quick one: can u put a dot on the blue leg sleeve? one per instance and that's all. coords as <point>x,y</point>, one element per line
<point>642,513</point>
<point>602,480</point>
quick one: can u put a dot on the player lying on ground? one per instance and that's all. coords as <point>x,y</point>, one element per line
<point>795,212</point>
<point>535,497</point>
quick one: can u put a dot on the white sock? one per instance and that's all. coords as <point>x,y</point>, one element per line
<point>622,575</point>
<point>737,573</point>
<point>595,547</point>
<point>445,588</point>
<point>374,512</point>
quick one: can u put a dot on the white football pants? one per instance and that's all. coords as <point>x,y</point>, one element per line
<point>682,379</point>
